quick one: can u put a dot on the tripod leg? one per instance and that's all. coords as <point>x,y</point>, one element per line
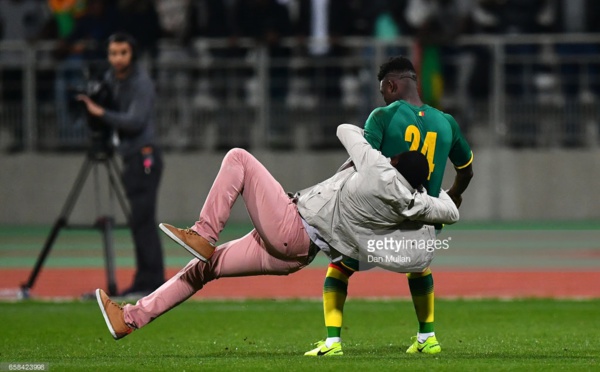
<point>109,255</point>
<point>113,176</point>
<point>58,225</point>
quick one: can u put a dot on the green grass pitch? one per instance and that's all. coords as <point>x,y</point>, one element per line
<point>477,335</point>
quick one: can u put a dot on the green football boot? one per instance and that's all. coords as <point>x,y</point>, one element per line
<point>322,350</point>
<point>430,346</point>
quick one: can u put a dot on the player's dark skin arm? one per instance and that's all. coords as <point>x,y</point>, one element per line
<point>461,182</point>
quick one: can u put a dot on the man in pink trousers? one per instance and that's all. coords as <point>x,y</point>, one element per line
<point>282,241</point>
<point>278,245</point>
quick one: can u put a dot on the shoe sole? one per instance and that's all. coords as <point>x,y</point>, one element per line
<point>181,243</point>
<point>106,320</point>
<point>341,353</point>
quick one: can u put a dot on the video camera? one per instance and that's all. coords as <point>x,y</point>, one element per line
<point>101,135</point>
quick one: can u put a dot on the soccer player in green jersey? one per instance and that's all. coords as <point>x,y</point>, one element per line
<point>404,124</point>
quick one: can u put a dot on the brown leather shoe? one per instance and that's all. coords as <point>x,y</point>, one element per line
<point>113,315</point>
<point>190,240</point>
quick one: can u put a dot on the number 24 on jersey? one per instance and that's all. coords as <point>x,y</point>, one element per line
<point>413,136</point>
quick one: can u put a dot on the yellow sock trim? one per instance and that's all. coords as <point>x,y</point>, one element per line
<point>332,272</point>
<point>418,275</point>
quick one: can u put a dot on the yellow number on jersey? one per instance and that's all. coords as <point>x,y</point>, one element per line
<point>413,136</point>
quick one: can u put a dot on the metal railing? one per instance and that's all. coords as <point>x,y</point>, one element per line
<point>521,91</point>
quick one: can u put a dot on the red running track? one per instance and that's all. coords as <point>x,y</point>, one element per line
<point>308,284</point>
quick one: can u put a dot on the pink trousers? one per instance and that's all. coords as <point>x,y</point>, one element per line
<point>278,245</point>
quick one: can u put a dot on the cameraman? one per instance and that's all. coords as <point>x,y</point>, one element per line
<point>133,119</point>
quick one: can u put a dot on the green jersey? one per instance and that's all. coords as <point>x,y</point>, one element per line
<point>401,127</point>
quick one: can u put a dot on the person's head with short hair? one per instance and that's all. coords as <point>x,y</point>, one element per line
<point>121,53</point>
<point>397,80</point>
<point>413,166</point>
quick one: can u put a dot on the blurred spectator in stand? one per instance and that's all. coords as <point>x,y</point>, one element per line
<point>216,94</point>
<point>82,57</point>
<point>174,80</point>
<point>389,22</point>
<point>527,80</point>
<point>20,20</point>
<point>218,84</point>
<point>579,80</point>
<point>319,27</point>
<point>267,22</point>
<point>483,21</point>
<point>385,21</point>
<point>64,14</point>
<point>189,89</point>
<point>442,65</point>
<point>173,18</point>
<point>211,19</point>
<point>139,19</point>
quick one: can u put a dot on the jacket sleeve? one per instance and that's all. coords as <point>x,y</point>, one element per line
<point>360,151</point>
<point>137,114</point>
<point>429,209</point>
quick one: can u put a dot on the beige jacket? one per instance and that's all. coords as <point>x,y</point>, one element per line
<point>371,201</point>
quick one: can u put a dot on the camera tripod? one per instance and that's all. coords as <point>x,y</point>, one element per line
<point>105,224</point>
